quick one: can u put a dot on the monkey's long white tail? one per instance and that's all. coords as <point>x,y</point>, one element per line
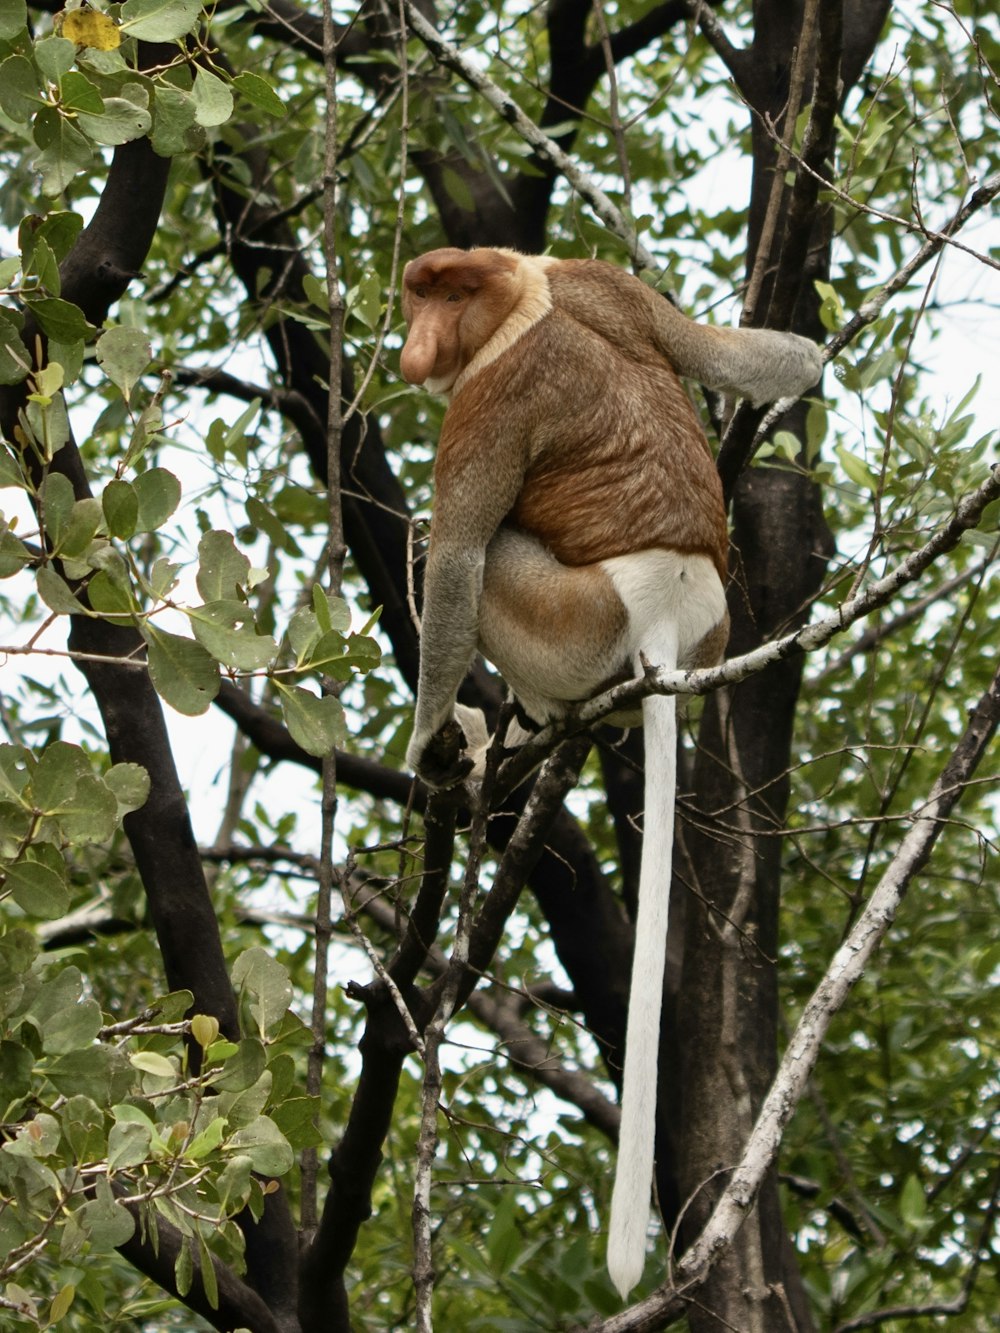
<point>630,1199</point>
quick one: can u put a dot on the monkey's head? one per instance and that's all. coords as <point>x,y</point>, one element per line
<point>453,303</point>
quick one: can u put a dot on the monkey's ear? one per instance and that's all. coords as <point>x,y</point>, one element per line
<point>444,761</point>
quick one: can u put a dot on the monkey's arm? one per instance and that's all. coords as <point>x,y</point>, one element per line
<point>760,364</point>
<point>453,585</point>
<point>479,471</point>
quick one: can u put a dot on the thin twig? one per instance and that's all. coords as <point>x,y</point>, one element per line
<point>336,551</point>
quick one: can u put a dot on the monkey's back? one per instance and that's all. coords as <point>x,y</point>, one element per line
<point>616,457</point>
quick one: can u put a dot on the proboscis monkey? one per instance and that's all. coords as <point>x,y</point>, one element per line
<point>578,522</point>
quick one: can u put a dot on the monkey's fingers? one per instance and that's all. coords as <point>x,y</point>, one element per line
<point>445,762</point>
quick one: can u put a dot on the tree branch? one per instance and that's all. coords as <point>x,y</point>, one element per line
<point>845,969</point>
<point>239,1306</point>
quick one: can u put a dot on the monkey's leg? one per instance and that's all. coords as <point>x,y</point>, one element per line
<point>556,633</point>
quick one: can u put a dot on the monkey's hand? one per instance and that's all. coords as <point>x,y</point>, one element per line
<point>777,365</point>
<point>442,760</point>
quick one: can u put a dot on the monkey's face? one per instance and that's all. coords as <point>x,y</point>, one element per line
<point>453,302</point>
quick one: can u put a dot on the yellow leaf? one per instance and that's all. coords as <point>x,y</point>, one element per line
<point>87,27</point>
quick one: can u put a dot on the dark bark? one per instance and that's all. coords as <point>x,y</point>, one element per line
<point>238,1305</point>
<point>354,1164</point>
<point>781,544</point>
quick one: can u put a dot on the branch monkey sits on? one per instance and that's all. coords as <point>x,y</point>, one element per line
<point>578,522</point>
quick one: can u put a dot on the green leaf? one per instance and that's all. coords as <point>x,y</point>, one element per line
<point>37,890</point>
<point>163,576</point>
<point>316,292</point>
<point>79,94</point>
<point>20,96</point>
<point>129,1144</point>
<point>243,1068</point>
<point>913,1204</point>
<point>504,1244</point>
<point>209,1278</point>
<point>59,769</point>
<point>213,98</point>
<point>66,1019</point>
<point>259,93</point>
<point>233,1182</point>
<point>63,152</point>
<point>90,815</point>
<point>329,656</point>
<point>14,555</point>
<point>159,20</point>
<point>205,1143</point>
<point>130,785</point>
<point>149,424</point>
<point>121,509</point>
<point>13,19</point>
<point>365,300</point>
<point>107,1222</point>
<point>222,569</point>
<point>174,127</point>
<point>124,353</point>
<point>228,631</point>
<point>10,471</point>
<point>184,1268</point>
<point>60,319</point>
<point>46,268</point>
<point>81,526</point>
<point>56,494</point>
<point>296,1118</point>
<point>48,422</point>
<point>158,493</point>
<point>14,364</point>
<point>59,231</point>
<point>17,764</point>
<point>109,597</point>
<point>304,632</point>
<point>151,1062</point>
<point>84,1073</point>
<point>223,439</point>
<point>856,470</point>
<point>123,119</point>
<point>49,379</point>
<point>317,725</point>
<point>54,56</point>
<point>332,612</point>
<point>263,1142</point>
<point>266,982</point>
<point>61,1303</point>
<point>182,672</point>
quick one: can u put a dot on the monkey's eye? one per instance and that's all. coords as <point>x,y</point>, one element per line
<point>420,293</point>
<point>454,296</point>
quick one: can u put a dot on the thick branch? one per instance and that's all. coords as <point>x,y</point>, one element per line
<point>238,1306</point>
